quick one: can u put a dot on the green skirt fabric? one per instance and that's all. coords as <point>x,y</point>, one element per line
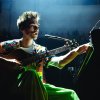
<point>30,87</point>
<point>16,84</point>
<point>59,93</point>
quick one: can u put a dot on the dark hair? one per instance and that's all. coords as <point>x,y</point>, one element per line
<point>26,18</point>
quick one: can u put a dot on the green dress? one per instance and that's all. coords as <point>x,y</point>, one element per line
<point>29,84</point>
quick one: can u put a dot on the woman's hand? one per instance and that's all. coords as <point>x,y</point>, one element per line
<point>83,48</point>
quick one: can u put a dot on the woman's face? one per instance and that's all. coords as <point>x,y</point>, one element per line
<point>32,31</point>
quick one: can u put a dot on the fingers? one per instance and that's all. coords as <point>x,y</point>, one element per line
<point>83,48</point>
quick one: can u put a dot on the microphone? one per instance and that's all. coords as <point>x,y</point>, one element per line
<point>56,37</point>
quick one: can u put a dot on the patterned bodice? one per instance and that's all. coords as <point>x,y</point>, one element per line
<point>10,45</point>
